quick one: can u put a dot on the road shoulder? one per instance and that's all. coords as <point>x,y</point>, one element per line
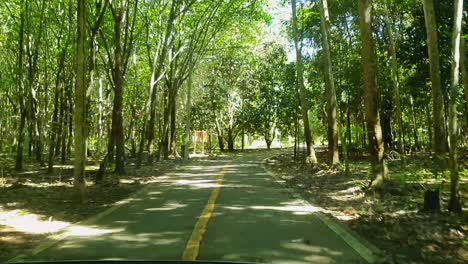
<point>364,248</point>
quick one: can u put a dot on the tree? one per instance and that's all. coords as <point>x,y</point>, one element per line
<point>395,78</point>
<point>123,38</point>
<point>159,57</point>
<point>454,204</point>
<point>332,104</point>
<point>80,103</point>
<point>20,85</point>
<point>311,158</point>
<point>464,69</point>
<point>374,131</point>
<point>440,141</point>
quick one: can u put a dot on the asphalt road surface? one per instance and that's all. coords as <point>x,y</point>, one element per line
<point>227,208</point>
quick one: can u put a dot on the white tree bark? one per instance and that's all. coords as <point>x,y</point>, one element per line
<point>454,203</point>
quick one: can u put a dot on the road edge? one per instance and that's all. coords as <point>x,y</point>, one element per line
<point>364,248</point>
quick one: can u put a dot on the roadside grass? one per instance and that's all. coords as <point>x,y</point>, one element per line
<point>391,219</point>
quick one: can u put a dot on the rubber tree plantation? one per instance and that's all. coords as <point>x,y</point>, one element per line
<point>358,107</point>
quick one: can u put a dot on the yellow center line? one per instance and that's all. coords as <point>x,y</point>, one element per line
<point>193,245</point>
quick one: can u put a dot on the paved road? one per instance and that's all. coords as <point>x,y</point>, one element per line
<point>254,219</point>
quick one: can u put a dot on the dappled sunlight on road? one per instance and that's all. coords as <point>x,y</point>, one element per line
<point>299,244</point>
<point>167,207</point>
<point>87,231</point>
<point>295,209</point>
<point>24,221</point>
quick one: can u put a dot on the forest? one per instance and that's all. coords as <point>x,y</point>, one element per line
<point>362,105</point>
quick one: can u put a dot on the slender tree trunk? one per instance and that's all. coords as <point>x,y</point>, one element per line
<point>131,131</point>
<point>164,141</point>
<point>454,204</point>
<point>311,158</point>
<point>98,18</point>
<point>80,105</point>
<point>32,51</point>
<point>162,129</point>
<point>374,131</point>
<point>395,82</point>
<point>221,142</point>
<point>348,124</point>
<point>58,140</point>
<point>414,125</point>
<point>296,134</point>
<point>268,141</point>
<point>117,129</point>
<point>64,126</point>
<point>364,130</point>
<point>157,67</point>
<point>100,120</point>
<point>219,133</point>
<point>149,127</point>
<point>330,87</point>
<point>19,76</point>
<point>173,139</point>
<point>147,131</point>
<point>440,139</point>
<point>429,128</point>
<point>188,106</point>
<point>70,124</point>
<point>54,135</point>
<point>230,139</point>
<point>386,123</point>
<point>117,111</point>
<point>464,69</point>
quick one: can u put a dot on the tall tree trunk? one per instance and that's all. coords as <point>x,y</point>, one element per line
<point>80,105</point>
<point>162,129</point>
<point>230,139</point>
<point>54,135</point>
<point>70,124</point>
<point>330,87</point>
<point>188,121</point>
<point>95,26</point>
<point>386,123</point>
<point>164,141</point>
<point>374,131</point>
<point>395,81</point>
<point>157,67</point>
<point>440,139</point>
<point>19,76</point>
<point>100,120</point>
<point>32,51</point>
<point>429,128</point>
<point>221,143</point>
<point>219,132</point>
<point>173,139</point>
<point>58,140</point>
<point>414,125</point>
<point>64,126</point>
<point>464,68</point>
<point>117,111</point>
<point>454,204</point>
<point>296,134</point>
<point>311,158</point>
